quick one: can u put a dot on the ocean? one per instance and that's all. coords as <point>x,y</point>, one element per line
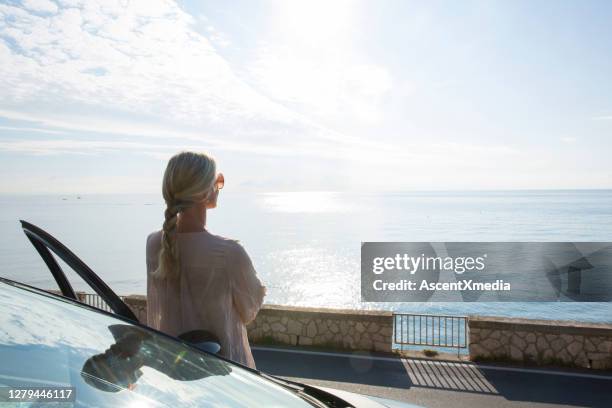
<point>306,245</point>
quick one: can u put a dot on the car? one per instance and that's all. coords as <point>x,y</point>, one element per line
<point>98,358</point>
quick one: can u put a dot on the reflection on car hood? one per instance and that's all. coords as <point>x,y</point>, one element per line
<point>46,339</point>
<point>49,340</point>
<point>366,401</point>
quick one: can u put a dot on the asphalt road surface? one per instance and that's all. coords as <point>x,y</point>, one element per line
<point>439,383</point>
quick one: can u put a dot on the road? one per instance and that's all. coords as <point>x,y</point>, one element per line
<point>438,383</point>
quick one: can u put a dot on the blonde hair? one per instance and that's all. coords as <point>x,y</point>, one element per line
<point>189,178</point>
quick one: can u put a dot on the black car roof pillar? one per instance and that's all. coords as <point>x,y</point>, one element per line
<point>41,238</point>
<point>56,270</point>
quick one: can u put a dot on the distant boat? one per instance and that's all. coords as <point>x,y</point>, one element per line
<point>78,197</point>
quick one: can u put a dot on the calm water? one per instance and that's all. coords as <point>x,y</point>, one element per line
<point>306,246</point>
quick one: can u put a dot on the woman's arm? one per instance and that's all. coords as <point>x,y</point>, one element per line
<point>247,290</point>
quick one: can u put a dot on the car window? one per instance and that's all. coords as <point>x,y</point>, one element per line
<point>19,259</point>
<point>49,341</point>
<point>83,290</point>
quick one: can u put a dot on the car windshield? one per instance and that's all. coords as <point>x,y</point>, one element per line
<point>48,341</point>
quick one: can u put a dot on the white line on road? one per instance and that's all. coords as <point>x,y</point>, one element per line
<point>416,361</point>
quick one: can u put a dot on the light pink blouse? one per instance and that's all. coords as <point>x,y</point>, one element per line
<point>218,290</point>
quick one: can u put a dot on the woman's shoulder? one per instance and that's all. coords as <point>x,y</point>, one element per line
<point>153,237</point>
<point>153,244</point>
<point>154,241</point>
<point>233,246</point>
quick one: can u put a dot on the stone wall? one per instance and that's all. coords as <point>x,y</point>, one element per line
<point>541,342</point>
<point>356,330</point>
<point>299,326</point>
<point>138,304</point>
<point>329,328</point>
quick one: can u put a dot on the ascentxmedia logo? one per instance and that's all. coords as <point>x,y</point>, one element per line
<point>486,271</point>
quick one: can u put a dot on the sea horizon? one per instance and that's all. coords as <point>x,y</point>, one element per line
<point>347,191</point>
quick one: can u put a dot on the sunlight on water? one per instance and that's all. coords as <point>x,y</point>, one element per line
<point>311,276</point>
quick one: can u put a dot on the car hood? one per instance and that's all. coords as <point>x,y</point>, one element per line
<point>366,401</point>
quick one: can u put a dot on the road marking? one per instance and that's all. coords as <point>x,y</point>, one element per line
<point>434,362</point>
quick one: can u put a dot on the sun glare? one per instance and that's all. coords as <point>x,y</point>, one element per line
<point>315,22</point>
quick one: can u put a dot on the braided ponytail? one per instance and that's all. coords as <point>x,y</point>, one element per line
<point>189,178</point>
<point>168,255</point>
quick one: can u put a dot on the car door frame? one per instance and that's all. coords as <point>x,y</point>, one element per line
<point>46,245</point>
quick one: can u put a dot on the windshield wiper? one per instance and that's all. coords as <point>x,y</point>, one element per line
<point>295,389</point>
<point>318,398</point>
<point>282,382</point>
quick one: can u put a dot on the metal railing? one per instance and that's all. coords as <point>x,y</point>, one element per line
<point>430,330</point>
<point>93,299</point>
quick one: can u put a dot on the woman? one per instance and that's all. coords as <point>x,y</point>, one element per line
<point>197,280</point>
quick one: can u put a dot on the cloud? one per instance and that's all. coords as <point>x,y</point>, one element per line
<point>28,129</point>
<point>92,147</point>
<point>70,146</point>
<point>133,66</point>
<point>101,124</point>
<point>328,145</point>
<point>217,37</point>
<point>153,62</point>
<point>41,6</point>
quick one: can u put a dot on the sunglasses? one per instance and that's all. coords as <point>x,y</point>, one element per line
<point>220,182</point>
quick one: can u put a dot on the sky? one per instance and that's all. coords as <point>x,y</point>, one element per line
<point>306,95</point>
